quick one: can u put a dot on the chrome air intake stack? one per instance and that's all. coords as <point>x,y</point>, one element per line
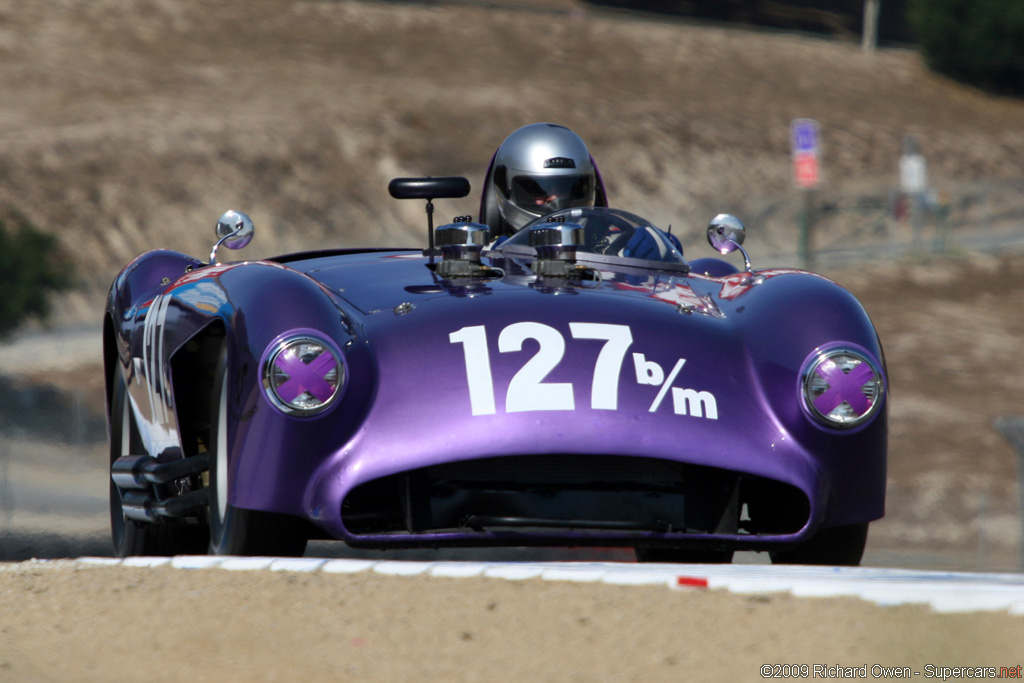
<point>460,244</point>
<point>556,244</point>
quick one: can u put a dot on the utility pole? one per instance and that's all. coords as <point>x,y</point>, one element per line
<point>869,36</point>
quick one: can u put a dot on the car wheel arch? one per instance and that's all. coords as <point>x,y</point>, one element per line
<point>193,369</point>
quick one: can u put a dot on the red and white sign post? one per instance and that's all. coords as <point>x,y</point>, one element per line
<point>804,138</point>
<point>806,176</point>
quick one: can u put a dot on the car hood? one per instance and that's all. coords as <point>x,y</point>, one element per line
<point>596,363</point>
<point>378,282</point>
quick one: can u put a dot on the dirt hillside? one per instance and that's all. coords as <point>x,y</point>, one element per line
<point>126,124</point>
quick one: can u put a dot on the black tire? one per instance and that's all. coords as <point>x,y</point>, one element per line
<point>132,538</point>
<point>681,556</point>
<point>236,531</point>
<point>841,545</point>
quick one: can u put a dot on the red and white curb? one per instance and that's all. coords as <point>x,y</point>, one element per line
<point>941,591</point>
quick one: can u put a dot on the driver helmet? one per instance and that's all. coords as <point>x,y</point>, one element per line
<point>541,168</point>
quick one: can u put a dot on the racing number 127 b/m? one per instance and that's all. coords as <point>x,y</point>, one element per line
<point>527,390</point>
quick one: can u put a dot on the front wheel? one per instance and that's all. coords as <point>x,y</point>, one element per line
<point>236,531</point>
<point>131,538</point>
<point>840,545</point>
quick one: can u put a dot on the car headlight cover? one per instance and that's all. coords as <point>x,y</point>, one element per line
<point>842,387</point>
<point>302,375</point>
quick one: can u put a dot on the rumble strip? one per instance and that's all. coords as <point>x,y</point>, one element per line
<point>941,591</point>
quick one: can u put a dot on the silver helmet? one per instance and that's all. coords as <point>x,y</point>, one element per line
<point>540,168</point>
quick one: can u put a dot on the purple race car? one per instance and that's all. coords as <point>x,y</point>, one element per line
<point>562,388</point>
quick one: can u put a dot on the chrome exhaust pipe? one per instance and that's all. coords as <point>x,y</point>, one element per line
<point>146,507</point>
<point>142,471</point>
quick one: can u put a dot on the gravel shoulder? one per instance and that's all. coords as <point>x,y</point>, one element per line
<point>271,626</point>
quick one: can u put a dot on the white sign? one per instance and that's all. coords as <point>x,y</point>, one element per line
<point>804,140</point>
<point>804,136</point>
<point>913,173</point>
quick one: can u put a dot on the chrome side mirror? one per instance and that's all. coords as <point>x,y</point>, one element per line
<point>726,234</point>
<point>234,230</point>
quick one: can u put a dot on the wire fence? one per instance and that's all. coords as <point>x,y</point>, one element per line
<point>883,222</point>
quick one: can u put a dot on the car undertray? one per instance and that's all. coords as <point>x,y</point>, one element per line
<point>573,493</point>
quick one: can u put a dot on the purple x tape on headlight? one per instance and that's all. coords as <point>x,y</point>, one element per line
<point>303,377</point>
<point>844,387</point>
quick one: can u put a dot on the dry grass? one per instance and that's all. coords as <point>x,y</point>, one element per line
<point>128,125</point>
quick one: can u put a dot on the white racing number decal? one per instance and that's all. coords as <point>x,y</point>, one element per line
<point>478,368</point>
<point>527,390</point>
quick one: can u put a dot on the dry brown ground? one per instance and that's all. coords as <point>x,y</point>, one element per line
<point>127,624</point>
<point>951,330</point>
<point>129,124</point>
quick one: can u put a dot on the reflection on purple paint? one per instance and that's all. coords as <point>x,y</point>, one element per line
<point>303,377</point>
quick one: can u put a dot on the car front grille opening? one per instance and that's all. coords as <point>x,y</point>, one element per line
<point>574,493</point>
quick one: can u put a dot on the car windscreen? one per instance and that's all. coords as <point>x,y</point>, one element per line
<point>608,235</point>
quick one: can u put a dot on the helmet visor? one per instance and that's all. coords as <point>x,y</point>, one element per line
<point>544,194</point>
